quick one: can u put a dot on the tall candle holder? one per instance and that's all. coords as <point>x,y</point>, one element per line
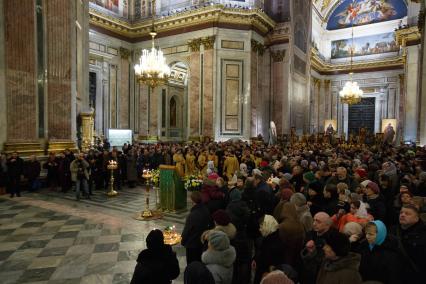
<point>147,175</point>
<point>112,166</point>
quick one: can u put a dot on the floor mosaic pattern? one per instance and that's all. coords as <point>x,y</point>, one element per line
<point>49,238</point>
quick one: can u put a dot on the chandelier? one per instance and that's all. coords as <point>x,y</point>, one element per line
<point>351,93</point>
<point>152,69</point>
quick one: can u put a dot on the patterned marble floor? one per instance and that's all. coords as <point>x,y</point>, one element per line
<point>46,238</point>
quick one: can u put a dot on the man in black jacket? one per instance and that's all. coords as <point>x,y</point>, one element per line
<point>411,234</point>
<point>198,221</point>
<point>15,166</point>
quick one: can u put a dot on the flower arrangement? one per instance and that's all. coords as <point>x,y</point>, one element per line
<point>192,182</point>
<point>155,177</point>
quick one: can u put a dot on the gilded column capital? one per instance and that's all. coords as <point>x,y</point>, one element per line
<point>316,81</point>
<point>195,44</point>
<point>208,42</point>
<point>401,78</point>
<point>124,53</point>
<point>278,55</point>
<point>257,47</point>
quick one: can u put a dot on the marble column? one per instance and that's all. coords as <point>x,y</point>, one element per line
<point>3,100</point>
<point>412,92</point>
<point>20,66</point>
<point>194,89</point>
<point>422,122</point>
<point>207,127</point>
<point>255,104</point>
<point>401,109</point>
<point>143,110</point>
<point>154,98</point>
<point>280,102</point>
<point>123,106</point>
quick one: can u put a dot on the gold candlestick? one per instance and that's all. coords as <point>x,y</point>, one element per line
<point>112,165</point>
<point>147,175</point>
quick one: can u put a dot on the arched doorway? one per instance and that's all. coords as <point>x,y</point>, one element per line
<point>174,104</point>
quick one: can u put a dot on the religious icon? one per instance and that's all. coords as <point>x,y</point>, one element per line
<point>388,129</point>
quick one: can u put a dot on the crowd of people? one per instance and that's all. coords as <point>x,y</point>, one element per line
<point>293,213</point>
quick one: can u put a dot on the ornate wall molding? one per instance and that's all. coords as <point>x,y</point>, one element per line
<point>278,55</point>
<point>209,16</point>
<point>328,68</point>
<point>408,35</point>
<point>195,44</point>
<point>124,53</point>
<point>208,42</point>
<point>257,47</point>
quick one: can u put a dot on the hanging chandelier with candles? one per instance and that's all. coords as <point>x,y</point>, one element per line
<point>152,69</point>
<point>351,93</point>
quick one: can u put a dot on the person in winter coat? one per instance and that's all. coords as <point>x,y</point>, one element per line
<point>239,213</point>
<point>302,209</point>
<point>157,264</point>
<point>222,222</point>
<point>354,232</point>
<point>52,165</point>
<point>197,273</point>
<point>32,173</point>
<point>270,251</point>
<point>331,199</point>
<point>132,174</point>
<point>358,214</point>
<point>15,169</point>
<point>376,201</point>
<point>3,173</point>
<point>286,194</point>
<point>80,175</point>
<point>196,223</point>
<point>411,236</point>
<point>379,258</point>
<point>339,266</point>
<point>292,234</point>
<point>313,254</point>
<point>219,257</point>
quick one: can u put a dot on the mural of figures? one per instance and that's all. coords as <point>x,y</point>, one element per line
<point>366,45</point>
<point>119,7</point>
<point>363,12</point>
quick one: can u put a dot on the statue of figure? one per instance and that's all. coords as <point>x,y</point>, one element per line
<point>272,133</point>
<point>389,134</point>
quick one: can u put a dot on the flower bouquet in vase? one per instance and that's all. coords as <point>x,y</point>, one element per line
<point>192,182</point>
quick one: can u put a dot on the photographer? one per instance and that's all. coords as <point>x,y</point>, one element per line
<point>80,175</point>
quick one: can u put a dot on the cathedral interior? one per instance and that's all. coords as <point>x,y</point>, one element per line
<point>67,70</point>
<point>236,69</point>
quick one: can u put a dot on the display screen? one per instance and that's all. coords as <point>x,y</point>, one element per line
<point>117,137</point>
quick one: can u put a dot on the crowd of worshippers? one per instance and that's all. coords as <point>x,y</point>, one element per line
<point>301,215</point>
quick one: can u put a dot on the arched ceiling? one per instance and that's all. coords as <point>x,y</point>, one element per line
<point>336,13</point>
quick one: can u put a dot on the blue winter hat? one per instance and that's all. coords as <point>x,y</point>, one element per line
<point>218,240</point>
<point>381,233</point>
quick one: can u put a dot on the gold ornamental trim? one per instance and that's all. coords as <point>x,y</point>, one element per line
<point>59,146</point>
<point>215,14</point>
<point>323,67</point>
<point>403,36</point>
<point>24,148</point>
<point>257,47</point>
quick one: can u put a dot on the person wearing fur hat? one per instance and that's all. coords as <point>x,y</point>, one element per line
<point>376,202</point>
<point>219,257</point>
<point>339,265</point>
<point>270,250</point>
<point>157,263</point>
<point>379,256</point>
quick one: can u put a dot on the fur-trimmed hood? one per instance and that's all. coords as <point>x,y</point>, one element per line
<point>224,258</point>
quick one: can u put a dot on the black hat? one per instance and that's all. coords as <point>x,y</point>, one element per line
<point>338,242</point>
<point>155,239</point>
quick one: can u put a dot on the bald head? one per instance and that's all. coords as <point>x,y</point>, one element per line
<point>322,223</point>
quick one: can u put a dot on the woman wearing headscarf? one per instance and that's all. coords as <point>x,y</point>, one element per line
<point>270,250</point>
<point>156,264</point>
<point>379,259</point>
